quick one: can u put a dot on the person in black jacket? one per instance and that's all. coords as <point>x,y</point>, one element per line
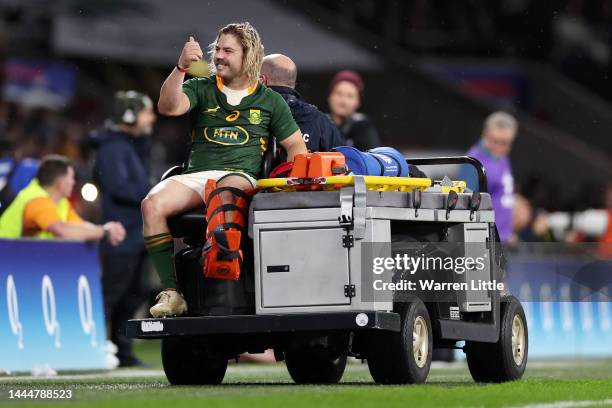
<point>279,73</point>
<point>345,94</point>
<point>123,179</point>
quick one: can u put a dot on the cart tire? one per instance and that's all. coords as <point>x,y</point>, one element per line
<point>505,360</point>
<point>315,365</point>
<point>403,357</point>
<point>188,362</point>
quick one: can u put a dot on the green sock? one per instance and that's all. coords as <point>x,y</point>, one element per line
<point>161,250</point>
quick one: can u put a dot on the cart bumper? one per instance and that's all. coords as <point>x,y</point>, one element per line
<point>261,324</point>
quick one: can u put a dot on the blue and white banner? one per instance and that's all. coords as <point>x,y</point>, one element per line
<point>51,307</point>
<point>39,84</point>
<point>566,302</point>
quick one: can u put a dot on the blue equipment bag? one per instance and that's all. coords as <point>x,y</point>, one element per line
<point>381,161</point>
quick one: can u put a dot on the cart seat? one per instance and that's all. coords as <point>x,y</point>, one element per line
<point>190,224</point>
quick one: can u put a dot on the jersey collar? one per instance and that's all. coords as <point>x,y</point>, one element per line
<point>250,89</point>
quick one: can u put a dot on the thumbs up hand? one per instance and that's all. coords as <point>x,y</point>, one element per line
<point>191,52</point>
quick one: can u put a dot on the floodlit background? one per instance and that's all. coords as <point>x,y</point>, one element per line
<point>433,70</point>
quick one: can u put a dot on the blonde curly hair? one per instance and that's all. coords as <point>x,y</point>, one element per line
<point>252,48</point>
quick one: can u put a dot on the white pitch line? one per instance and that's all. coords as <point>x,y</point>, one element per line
<point>567,404</point>
<point>100,375</point>
<point>255,368</point>
<point>239,369</point>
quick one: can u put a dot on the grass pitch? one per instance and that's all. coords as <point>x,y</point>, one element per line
<point>547,384</point>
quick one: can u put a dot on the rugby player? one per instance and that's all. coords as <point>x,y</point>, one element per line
<point>232,118</point>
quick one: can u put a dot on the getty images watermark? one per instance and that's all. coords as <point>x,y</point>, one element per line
<point>413,264</point>
<point>471,272</point>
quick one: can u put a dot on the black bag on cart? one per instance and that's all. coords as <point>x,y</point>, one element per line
<point>215,297</point>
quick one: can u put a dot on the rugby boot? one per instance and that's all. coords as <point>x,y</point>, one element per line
<point>170,302</point>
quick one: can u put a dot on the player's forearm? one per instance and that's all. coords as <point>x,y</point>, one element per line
<point>171,93</point>
<point>83,231</point>
<point>294,145</point>
<point>86,231</point>
<point>296,149</point>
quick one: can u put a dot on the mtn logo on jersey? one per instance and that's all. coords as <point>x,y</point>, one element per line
<point>228,136</point>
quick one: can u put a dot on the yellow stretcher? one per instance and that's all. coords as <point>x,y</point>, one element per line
<point>375,183</point>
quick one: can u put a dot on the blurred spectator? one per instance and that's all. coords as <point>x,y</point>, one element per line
<point>522,213</point>
<point>279,73</point>
<point>527,227</point>
<point>542,191</point>
<point>42,209</point>
<point>16,171</point>
<point>70,144</point>
<point>492,151</point>
<point>589,224</point>
<point>122,176</point>
<point>345,93</point>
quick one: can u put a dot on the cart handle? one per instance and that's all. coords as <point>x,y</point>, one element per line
<point>482,176</point>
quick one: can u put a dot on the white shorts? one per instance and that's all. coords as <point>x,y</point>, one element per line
<point>196,181</point>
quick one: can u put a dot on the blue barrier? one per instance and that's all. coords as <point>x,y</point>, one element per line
<point>567,305</point>
<point>51,308</point>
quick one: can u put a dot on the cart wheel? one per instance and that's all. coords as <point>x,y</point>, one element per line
<point>403,357</point>
<point>505,360</point>
<point>188,362</point>
<point>315,365</point>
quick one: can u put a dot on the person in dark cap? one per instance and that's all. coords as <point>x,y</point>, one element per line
<point>122,176</point>
<point>345,93</point>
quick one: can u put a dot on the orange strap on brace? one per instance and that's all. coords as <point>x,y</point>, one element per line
<point>319,164</point>
<point>222,254</point>
<point>218,212</point>
<point>325,164</point>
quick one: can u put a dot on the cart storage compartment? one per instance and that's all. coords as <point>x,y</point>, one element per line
<point>475,237</point>
<point>303,267</point>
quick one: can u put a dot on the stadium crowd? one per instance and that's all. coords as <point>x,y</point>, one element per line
<point>574,35</point>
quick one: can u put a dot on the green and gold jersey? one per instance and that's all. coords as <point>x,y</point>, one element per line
<point>234,138</point>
